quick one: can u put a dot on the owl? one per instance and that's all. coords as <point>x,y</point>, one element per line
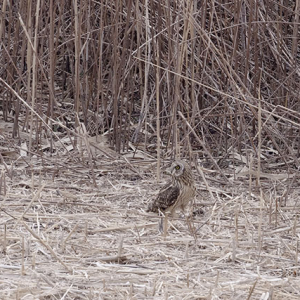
<point>178,192</point>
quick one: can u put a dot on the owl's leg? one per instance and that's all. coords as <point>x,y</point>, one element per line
<point>165,226</point>
<point>163,222</point>
<point>190,224</point>
<point>181,213</point>
<point>188,218</point>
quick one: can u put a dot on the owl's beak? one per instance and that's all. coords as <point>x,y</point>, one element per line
<point>167,171</point>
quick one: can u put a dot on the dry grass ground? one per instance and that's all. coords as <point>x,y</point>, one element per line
<point>64,238</point>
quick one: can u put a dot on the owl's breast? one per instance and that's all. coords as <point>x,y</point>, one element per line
<point>187,193</point>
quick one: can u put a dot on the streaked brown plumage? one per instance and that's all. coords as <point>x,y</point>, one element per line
<point>177,193</point>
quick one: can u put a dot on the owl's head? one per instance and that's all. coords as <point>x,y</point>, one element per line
<point>177,168</point>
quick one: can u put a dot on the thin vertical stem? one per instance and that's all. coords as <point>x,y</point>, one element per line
<point>34,71</point>
<point>77,59</point>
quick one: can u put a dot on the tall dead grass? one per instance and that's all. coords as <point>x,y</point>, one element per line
<point>129,68</point>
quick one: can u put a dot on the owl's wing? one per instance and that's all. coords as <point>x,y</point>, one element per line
<point>166,197</point>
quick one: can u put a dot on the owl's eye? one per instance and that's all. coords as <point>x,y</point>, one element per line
<point>177,167</point>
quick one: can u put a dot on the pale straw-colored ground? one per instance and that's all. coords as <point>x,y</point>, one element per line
<point>64,238</point>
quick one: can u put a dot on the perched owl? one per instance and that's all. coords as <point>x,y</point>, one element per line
<point>177,193</point>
